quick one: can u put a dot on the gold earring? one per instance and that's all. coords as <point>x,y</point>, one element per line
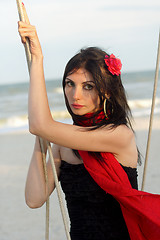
<point>104,106</point>
<point>108,108</point>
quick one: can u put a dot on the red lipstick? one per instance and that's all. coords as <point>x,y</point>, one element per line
<point>77,106</point>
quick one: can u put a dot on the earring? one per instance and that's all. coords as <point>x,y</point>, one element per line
<point>108,108</point>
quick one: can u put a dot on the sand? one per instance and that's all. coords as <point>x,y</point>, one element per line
<point>19,222</point>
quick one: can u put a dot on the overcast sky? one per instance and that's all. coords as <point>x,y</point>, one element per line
<point>127,28</point>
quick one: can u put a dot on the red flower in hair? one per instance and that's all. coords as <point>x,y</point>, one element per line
<point>114,64</point>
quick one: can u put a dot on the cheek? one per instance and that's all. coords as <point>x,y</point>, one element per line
<point>97,102</point>
<point>67,92</point>
<point>95,99</point>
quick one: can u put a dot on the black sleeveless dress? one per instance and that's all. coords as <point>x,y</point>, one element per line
<point>94,215</point>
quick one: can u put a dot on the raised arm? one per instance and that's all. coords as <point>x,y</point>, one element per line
<point>40,119</point>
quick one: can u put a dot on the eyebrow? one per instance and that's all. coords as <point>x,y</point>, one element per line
<point>68,79</point>
<point>88,82</point>
<point>82,82</point>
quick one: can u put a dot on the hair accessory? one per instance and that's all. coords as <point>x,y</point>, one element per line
<point>114,64</point>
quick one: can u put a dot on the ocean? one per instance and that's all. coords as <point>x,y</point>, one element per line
<point>13,100</point>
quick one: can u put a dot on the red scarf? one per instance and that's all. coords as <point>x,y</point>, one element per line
<point>91,119</point>
<point>141,210</point>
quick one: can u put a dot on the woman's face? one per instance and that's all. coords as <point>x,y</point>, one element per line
<point>81,92</point>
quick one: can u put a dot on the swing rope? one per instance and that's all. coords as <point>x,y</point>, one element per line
<point>41,142</point>
<point>151,115</point>
<point>58,192</point>
<point>64,217</point>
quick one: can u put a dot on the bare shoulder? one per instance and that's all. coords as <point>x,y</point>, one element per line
<point>121,135</point>
<point>125,136</point>
<point>127,153</point>
<point>119,129</point>
<point>123,129</point>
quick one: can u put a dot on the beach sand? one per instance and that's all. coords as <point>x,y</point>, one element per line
<point>19,222</point>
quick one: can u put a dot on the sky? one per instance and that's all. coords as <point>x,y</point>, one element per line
<point>127,28</point>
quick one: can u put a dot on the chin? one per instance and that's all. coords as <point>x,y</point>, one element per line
<point>79,112</point>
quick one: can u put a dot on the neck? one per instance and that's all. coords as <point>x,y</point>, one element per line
<point>90,119</point>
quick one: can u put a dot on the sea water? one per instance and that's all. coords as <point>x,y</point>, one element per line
<point>14,100</point>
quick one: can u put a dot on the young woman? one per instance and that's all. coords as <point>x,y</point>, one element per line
<point>91,155</point>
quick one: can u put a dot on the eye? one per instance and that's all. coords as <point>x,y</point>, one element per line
<point>69,83</point>
<point>88,87</point>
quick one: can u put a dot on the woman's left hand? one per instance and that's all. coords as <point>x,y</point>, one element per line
<point>26,30</point>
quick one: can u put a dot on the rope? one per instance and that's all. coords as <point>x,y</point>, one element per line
<point>58,192</point>
<point>151,115</point>
<point>21,17</point>
<point>46,180</point>
<point>28,56</point>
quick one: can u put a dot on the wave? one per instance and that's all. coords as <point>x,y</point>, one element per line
<point>142,103</point>
<point>58,90</point>
<point>139,108</point>
<point>20,123</point>
<point>142,107</point>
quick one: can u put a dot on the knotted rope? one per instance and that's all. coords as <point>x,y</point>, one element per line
<point>28,57</point>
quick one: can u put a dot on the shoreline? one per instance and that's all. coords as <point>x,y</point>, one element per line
<point>142,123</point>
<point>138,123</point>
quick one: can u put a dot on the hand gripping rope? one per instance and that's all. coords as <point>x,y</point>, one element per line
<point>28,56</point>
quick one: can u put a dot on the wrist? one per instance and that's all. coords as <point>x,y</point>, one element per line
<point>37,58</point>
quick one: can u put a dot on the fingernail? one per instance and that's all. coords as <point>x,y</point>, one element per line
<point>22,3</point>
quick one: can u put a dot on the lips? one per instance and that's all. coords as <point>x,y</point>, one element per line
<point>77,106</point>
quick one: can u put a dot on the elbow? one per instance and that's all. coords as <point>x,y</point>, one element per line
<point>34,201</point>
<point>35,128</point>
<point>34,204</point>
<point>32,130</point>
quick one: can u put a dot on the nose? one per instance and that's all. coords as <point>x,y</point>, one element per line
<point>77,93</point>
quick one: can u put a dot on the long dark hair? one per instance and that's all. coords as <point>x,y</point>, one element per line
<point>92,59</point>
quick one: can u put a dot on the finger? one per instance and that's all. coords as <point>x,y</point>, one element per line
<point>25,27</point>
<point>25,14</point>
<point>28,31</point>
<point>23,24</point>
<point>23,39</point>
<point>28,35</point>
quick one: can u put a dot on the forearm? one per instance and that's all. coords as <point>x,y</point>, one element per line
<point>38,107</point>
<point>36,190</point>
